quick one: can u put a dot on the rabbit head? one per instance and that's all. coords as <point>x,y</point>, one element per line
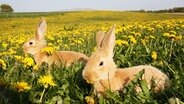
<point>35,44</point>
<point>100,65</point>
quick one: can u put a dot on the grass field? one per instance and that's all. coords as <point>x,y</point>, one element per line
<point>141,38</point>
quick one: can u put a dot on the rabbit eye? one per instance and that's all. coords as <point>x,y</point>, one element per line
<point>101,63</point>
<point>30,43</point>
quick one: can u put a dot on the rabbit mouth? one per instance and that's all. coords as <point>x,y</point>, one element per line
<point>91,78</point>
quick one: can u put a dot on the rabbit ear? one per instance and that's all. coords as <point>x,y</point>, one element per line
<point>109,40</point>
<point>99,37</point>
<point>41,29</point>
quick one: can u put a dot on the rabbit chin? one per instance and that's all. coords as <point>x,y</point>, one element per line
<point>107,76</point>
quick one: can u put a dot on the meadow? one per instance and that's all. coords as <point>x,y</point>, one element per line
<point>141,38</point>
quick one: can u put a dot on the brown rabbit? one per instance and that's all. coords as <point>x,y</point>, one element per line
<point>101,70</point>
<point>35,44</point>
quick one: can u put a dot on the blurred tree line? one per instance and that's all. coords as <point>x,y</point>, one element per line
<point>173,10</point>
<point>6,8</point>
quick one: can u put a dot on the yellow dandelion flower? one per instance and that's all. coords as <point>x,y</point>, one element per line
<point>132,39</point>
<point>173,32</point>
<point>161,63</point>
<point>79,42</point>
<point>124,28</point>
<point>82,40</point>
<point>152,37</point>
<point>48,50</point>
<point>72,44</point>
<point>28,62</point>
<point>150,29</point>
<point>59,41</point>
<point>95,48</point>
<point>118,42</point>
<point>89,100</point>
<point>22,86</point>
<point>172,36</point>
<point>4,45</point>
<point>178,37</point>
<point>18,58</point>
<point>46,81</point>
<point>136,34</point>
<point>166,34</point>
<point>121,42</point>
<point>49,37</point>
<point>143,41</point>
<point>2,64</point>
<point>66,46</point>
<point>182,26</point>
<point>11,51</point>
<point>154,55</point>
<point>20,41</point>
<point>159,26</point>
<point>35,67</point>
<point>50,44</point>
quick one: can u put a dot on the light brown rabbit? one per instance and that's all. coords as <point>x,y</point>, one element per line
<point>101,71</point>
<point>35,44</point>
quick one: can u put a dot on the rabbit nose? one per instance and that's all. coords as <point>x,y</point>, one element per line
<point>86,75</point>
